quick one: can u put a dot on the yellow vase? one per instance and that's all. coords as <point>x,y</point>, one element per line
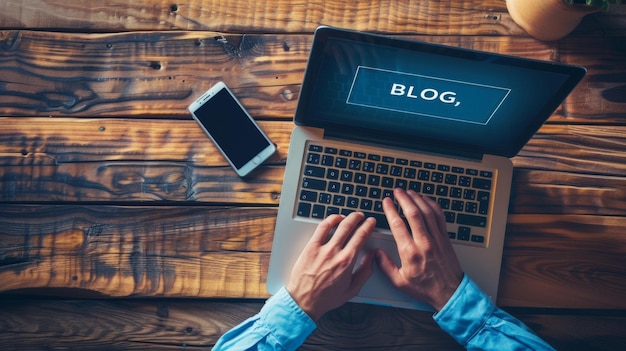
<point>547,19</point>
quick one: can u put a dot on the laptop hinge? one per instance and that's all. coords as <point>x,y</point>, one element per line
<point>424,146</point>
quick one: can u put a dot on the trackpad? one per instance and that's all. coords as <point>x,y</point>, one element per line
<point>378,286</point>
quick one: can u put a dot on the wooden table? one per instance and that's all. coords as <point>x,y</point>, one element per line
<point>121,227</point>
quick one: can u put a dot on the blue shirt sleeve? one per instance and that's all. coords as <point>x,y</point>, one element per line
<point>280,325</point>
<point>470,317</point>
<point>476,323</point>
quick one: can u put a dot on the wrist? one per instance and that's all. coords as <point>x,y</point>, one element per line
<point>445,294</point>
<point>304,304</point>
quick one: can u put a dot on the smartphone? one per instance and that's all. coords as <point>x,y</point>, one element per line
<point>232,129</point>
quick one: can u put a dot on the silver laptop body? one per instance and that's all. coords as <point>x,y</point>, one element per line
<point>421,112</point>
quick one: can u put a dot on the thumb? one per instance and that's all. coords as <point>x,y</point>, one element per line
<point>387,266</point>
<point>362,273</point>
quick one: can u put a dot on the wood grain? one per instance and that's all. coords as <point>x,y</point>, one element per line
<point>564,169</point>
<point>470,16</point>
<point>126,251</point>
<point>563,261</point>
<point>158,74</point>
<point>109,189</point>
<point>569,260</point>
<point>170,324</point>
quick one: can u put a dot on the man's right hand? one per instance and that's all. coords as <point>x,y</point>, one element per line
<point>430,271</point>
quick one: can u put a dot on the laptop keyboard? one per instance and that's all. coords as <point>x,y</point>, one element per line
<point>337,180</point>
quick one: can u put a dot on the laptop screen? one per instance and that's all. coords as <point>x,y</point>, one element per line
<point>415,93</point>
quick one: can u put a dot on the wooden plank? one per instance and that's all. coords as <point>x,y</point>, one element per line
<point>604,88</point>
<point>37,323</point>
<point>158,74</point>
<point>125,161</point>
<point>561,261</point>
<point>128,182</point>
<point>45,141</point>
<point>594,149</point>
<point>146,74</point>
<point>567,261</point>
<point>127,251</point>
<point>467,17</point>
<point>555,192</point>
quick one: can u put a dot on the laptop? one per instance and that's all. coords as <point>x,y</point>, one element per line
<point>376,113</point>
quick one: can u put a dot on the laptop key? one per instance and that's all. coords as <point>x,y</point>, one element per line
<point>346,176</point>
<point>353,202</point>
<point>313,158</point>
<point>478,239</point>
<point>387,182</point>
<point>314,171</point>
<point>451,179</point>
<point>346,153</point>
<point>318,211</point>
<point>464,233</point>
<point>355,165</point>
<point>442,190</point>
<point>307,195</point>
<point>472,220</point>
<point>334,187</point>
<point>378,206</point>
<point>315,184</point>
<point>366,204</point>
<point>450,216</point>
<point>375,193</point>
<point>304,209</point>
<point>339,200</point>
<point>396,171</point>
<point>341,162</point>
<point>325,198</point>
<point>347,189</point>
<point>428,189</point>
<point>410,173</point>
<point>360,178</point>
<point>330,210</point>
<point>369,167</point>
<point>381,220</point>
<point>437,177</point>
<point>373,180</point>
<point>483,202</point>
<point>361,191</point>
<point>327,160</point>
<point>423,175</point>
<point>480,183</point>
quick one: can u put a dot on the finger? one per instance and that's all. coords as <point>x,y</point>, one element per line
<point>361,234</point>
<point>362,273</point>
<point>321,233</point>
<point>396,224</point>
<point>438,213</point>
<point>346,228</point>
<point>413,214</point>
<point>427,213</point>
<point>388,267</point>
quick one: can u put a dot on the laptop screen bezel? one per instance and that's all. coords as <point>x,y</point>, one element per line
<point>323,34</point>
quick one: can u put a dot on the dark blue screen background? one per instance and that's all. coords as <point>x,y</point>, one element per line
<point>507,96</point>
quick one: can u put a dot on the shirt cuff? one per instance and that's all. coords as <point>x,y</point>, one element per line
<point>466,312</point>
<point>289,324</point>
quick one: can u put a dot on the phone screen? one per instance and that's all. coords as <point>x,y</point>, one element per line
<point>231,128</point>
